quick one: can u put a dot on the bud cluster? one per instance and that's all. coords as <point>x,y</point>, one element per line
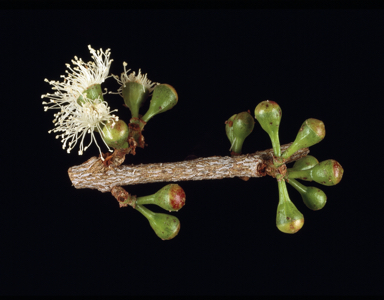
<point>329,172</point>
<point>135,90</point>
<point>171,198</point>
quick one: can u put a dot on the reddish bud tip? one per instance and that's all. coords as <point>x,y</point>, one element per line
<point>176,197</point>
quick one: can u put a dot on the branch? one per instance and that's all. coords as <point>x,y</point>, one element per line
<point>93,174</point>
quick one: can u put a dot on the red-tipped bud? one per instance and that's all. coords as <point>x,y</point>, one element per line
<point>171,198</point>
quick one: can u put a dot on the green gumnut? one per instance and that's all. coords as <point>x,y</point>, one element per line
<point>164,98</point>
<point>305,163</point>
<point>238,127</point>
<point>93,92</point>
<point>165,226</point>
<point>171,198</point>
<point>310,133</point>
<point>134,95</point>
<point>288,218</point>
<point>268,114</point>
<point>313,197</point>
<point>116,134</point>
<point>328,172</point>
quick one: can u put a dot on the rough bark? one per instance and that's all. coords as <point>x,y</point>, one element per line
<point>91,174</point>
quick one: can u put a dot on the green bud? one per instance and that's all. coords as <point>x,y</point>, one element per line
<point>268,113</point>
<point>116,134</point>
<point>93,92</point>
<point>134,95</point>
<point>164,98</point>
<point>305,163</point>
<point>313,197</point>
<point>288,218</point>
<point>328,172</point>
<point>310,133</point>
<point>238,127</point>
<point>171,197</point>
<point>165,226</point>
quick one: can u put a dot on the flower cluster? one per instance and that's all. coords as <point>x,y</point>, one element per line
<point>81,112</point>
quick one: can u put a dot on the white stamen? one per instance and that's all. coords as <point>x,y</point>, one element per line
<point>82,76</point>
<point>139,78</point>
<point>74,120</point>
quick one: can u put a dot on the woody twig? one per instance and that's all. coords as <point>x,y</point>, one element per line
<point>87,175</point>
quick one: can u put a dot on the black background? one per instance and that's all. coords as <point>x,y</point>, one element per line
<point>325,64</point>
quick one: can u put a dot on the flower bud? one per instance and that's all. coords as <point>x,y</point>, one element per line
<point>328,172</point>
<point>238,127</point>
<point>313,197</point>
<point>288,218</point>
<point>116,134</point>
<point>310,133</point>
<point>268,113</point>
<point>305,163</point>
<point>165,226</point>
<point>171,198</point>
<point>164,98</point>
<point>134,94</point>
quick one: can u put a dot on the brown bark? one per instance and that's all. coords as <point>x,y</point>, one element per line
<point>93,174</point>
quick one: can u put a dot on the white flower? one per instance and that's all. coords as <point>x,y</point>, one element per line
<point>139,78</point>
<point>81,77</point>
<point>75,121</point>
